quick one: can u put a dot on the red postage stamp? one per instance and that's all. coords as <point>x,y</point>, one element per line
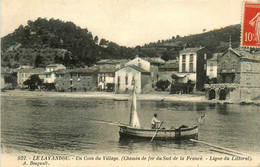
<point>250,28</point>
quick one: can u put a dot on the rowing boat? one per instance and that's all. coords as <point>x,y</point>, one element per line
<point>134,130</point>
<point>126,131</point>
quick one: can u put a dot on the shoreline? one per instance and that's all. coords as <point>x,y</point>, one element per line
<point>155,96</point>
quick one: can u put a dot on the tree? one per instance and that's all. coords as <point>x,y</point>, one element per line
<point>103,42</point>
<point>161,84</point>
<point>33,82</point>
<point>96,39</point>
<point>38,61</point>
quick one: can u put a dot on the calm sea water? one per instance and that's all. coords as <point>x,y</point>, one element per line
<point>49,125</point>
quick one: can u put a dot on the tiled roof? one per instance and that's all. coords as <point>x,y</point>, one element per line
<point>106,61</point>
<point>215,56</point>
<point>169,66</point>
<point>155,60</point>
<point>136,68</point>
<point>192,49</point>
<point>171,61</point>
<point>81,70</point>
<point>112,61</point>
<point>31,70</point>
<point>53,65</point>
<point>106,69</point>
<point>60,71</point>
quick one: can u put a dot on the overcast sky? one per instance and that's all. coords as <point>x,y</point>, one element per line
<point>126,22</point>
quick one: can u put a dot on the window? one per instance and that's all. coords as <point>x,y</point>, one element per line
<point>118,80</point>
<point>126,80</point>
<point>133,80</point>
<point>211,66</point>
<point>224,65</point>
<point>183,58</point>
<point>205,56</point>
<point>183,67</point>
<point>191,57</point>
<point>234,64</point>
<point>139,63</point>
<point>191,67</point>
<point>100,78</point>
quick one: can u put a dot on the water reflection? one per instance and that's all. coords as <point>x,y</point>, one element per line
<point>62,124</point>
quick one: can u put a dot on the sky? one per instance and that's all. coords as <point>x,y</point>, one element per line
<point>126,22</point>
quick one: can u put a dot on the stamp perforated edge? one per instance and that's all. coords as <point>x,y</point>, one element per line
<point>242,22</point>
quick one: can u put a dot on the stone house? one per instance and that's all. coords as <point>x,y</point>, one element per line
<point>76,80</point>
<point>24,74</point>
<point>192,65</point>
<point>238,77</point>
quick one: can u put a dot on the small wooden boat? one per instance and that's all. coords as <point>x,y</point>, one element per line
<point>161,134</point>
<point>133,130</point>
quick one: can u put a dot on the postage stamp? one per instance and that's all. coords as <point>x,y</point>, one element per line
<point>250,28</point>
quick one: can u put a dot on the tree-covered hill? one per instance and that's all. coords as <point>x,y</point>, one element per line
<point>45,34</point>
<point>216,41</point>
<point>54,41</point>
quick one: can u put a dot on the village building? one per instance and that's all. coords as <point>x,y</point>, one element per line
<point>106,78</point>
<point>139,62</point>
<point>24,74</point>
<point>127,77</point>
<point>155,63</point>
<point>75,80</point>
<point>166,70</point>
<point>212,66</point>
<point>117,63</point>
<point>54,67</point>
<point>192,65</point>
<point>51,72</point>
<point>238,77</point>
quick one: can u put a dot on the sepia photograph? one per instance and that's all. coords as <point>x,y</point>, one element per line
<point>130,83</point>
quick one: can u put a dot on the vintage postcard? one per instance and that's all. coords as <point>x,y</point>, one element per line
<point>130,83</point>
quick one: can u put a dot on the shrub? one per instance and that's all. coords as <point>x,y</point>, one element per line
<point>161,84</point>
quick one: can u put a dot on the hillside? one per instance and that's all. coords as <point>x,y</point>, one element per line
<point>45,41</point>
<point>43,34</point>
<point>216,41</point>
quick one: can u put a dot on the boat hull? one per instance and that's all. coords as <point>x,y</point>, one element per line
<point>161,134</point>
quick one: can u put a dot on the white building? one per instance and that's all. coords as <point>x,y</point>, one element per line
<point>145,65</point>
<point>105,76</point>
<point>212,66</point>
<point>127,77</point>
<point>192,65</point>
<point>24,74</point>
<point>53,67</point>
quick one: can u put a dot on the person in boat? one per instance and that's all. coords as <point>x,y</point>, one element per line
<point>155,122</point>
